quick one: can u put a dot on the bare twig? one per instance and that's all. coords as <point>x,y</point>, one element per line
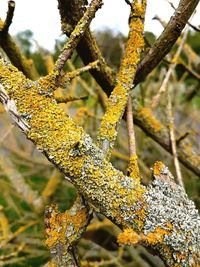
<point>130,128</point>
<point>9,17</point>
<point>169,72</point>
<point>173,138</point>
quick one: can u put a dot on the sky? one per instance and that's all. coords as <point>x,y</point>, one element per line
<point>42,17</point>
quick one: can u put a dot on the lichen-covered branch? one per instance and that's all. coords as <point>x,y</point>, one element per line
<point>70,11</point>
<point>161,211</point>
<point>77,33</point>
<point>64,230</point>
<point>124,81</point>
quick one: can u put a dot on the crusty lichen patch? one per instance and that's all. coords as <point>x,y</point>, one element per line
<point>63,231</point>
<point>172,224</point>
<point>158,168</point>
<point>130,237</point>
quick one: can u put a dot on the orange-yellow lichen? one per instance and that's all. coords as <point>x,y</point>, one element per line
<point>156,236</point>
<point>1,24</point>
<point>128,237</point>
<point>150,119</point>
<point>133,168</point>
<point>64,228</point>
<point>125,76</point>
<point>49,82</point>
<point>158,167</point>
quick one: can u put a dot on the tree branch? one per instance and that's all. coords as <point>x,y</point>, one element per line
<point>64,230</point>
<point>71,12</point>
<point>124,80</point>
<point>167,39</point>
<point>12,50</point>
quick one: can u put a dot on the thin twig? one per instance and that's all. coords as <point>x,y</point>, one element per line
<point>77,34</point>
<point>70,75</point>
<point>9,17</point>
<point>169,72</point>
<point>130,128</point>
<point>173,138</point>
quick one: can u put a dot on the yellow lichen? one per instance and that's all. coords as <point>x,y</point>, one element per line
<point>133,168</point>
<point>158,167</point>
<point>64,227</point>
<point>1,24</point>
<point>125,76</point>
<point>150,119</point>
<point>69,148</point>
<point>156,236</point>
<point>128,237</point>
<point>49,82</point>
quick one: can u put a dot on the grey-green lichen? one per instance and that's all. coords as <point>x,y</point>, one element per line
<point>170,209</point>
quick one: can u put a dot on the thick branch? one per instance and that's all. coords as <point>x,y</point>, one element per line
<point>160,213</point>
<point>64,230</point>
